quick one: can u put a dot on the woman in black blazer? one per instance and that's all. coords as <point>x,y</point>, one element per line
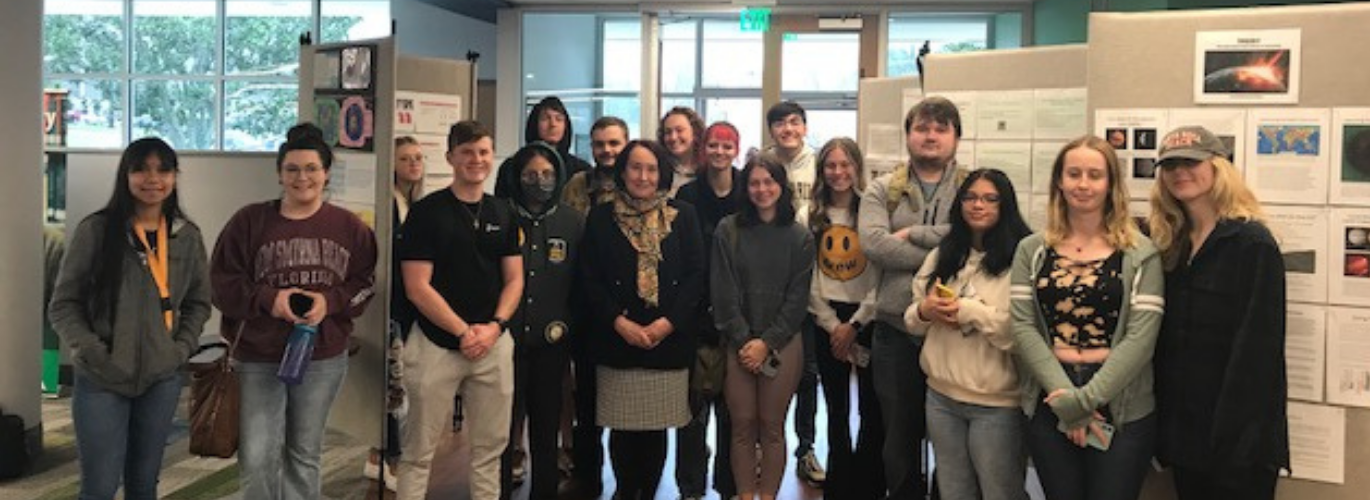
<point>642,269</point>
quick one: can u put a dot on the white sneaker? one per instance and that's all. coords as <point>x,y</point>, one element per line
<point>811,470</point>
<point>372,471</point>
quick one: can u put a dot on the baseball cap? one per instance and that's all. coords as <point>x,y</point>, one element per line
<point>1190,143</point>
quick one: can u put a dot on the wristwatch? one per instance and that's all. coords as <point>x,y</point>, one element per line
<point>503,324</point>
<point>856,325</point>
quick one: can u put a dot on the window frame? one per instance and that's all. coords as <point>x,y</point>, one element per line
<point>220,78</point>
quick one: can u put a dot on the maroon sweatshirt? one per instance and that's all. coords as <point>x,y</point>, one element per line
<point>260,252</point>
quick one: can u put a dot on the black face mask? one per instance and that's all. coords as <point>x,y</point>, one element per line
<point>538,192</point>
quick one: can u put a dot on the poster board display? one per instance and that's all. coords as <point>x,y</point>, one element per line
<point>1164,46</point>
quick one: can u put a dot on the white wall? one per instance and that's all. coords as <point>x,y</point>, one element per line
<point>425,30</point>
<point>21,255</point>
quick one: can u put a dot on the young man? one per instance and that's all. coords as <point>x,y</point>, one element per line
<point>586,189</point>
<point>549,236</point>
<point>464,274</point>
<point>788,125</point>
<point>550,123</point>
<point>904,215</point>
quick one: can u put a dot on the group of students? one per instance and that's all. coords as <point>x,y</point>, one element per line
<point>664,286</point>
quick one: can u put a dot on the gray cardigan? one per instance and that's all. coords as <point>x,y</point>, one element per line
<point>135,350</point>
<point>898,259</point>
<point>1124,383</point>
<point>759,281</point>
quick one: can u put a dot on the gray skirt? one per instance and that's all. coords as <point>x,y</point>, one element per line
<point>638,399</point>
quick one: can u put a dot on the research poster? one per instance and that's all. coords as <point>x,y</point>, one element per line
<point>1059,113</point>
<point>1004,115</point>
<point>1014,158</point>
<point>1350,170</point>
<point>1229,124</point>
<point>1247,67</point>
<point>1348,356</point>
<point>1349,250</point>
<point>1287,155</point>
<point>1302,235</point>
<point>1317,442</point>
<point>1043,159</point>
<point>1134,135</point>
<point>1305,351</point>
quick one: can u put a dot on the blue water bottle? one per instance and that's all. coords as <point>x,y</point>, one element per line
<point>299,348</point>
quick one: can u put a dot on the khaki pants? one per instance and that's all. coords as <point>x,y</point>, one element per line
<point>433,377</point>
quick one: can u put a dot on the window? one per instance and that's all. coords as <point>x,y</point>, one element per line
<point>710,65</point>
<point>202,74</point>
<point>943,33</point>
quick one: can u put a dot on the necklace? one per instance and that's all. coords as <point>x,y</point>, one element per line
<point>475,217</point>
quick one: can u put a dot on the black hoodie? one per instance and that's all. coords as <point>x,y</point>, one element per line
<point>549,240</point>
<point>573,164</point>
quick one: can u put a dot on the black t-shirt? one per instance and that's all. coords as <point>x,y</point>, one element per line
<point>465,242</point>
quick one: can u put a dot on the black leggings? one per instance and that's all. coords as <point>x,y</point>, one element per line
<point>638,458</point>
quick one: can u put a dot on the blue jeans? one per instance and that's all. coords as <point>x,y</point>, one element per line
<point>282,428</point>
<point>121,439</point>
<point>900,386</point>
<point>1069,472</point>
<point>979,449</point>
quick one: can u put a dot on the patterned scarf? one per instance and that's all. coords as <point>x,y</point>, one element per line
<point>645,223</point>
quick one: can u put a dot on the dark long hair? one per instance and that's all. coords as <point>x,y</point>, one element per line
<point>999,242</point>
<point>784,207</point>
<point>109,261</point>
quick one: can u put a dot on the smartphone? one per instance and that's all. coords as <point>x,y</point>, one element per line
<point>860,355</point>
<point>770,367</point>
<point>944,291</point>
<point>300,304</point>
<point>1093,441</point>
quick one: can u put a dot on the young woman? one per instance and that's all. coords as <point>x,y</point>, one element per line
<point>720,192</point>
<point>1220,384</point>
<point>759,283</point>
<point>974,422</point>
<point>130,302</point>
<point>298,245</point>
<point>1086,306</point>
<point>682,132</point>
<point>643,268</point>
<point>841,308</point>
<point>406,189</point>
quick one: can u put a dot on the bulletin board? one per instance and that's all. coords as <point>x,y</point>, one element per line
<point>1149,66</point>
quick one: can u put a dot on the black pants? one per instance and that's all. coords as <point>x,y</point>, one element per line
<point>638,457</point>
<point>901,387</point>
<point>853,471</point>
<point>806,398</point>
<point>537,395</point>
<point>692,452</point>
<point>588,451</point>
<point>1246,483</point>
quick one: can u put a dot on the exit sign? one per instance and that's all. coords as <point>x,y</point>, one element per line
<point>756,19</point>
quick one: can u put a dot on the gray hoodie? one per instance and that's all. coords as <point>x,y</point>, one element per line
<point>135,350</point>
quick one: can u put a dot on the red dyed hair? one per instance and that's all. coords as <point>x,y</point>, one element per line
<point>718,131</point>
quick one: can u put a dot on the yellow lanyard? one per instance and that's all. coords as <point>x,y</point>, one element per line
<point>157,263</point>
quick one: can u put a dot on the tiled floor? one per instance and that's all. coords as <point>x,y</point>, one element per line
<point>185,477</point>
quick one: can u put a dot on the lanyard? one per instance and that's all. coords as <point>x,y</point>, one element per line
<point>157,264</point>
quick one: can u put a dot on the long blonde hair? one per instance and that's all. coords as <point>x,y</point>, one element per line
<point>1169,222</point>
<point>1119,229</point>
<point>821,197</point>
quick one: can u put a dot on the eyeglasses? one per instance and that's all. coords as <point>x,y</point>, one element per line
<point>298,171</point>
<point>988,199</point>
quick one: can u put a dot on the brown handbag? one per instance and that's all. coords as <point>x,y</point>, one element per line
<point>214,401</point>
